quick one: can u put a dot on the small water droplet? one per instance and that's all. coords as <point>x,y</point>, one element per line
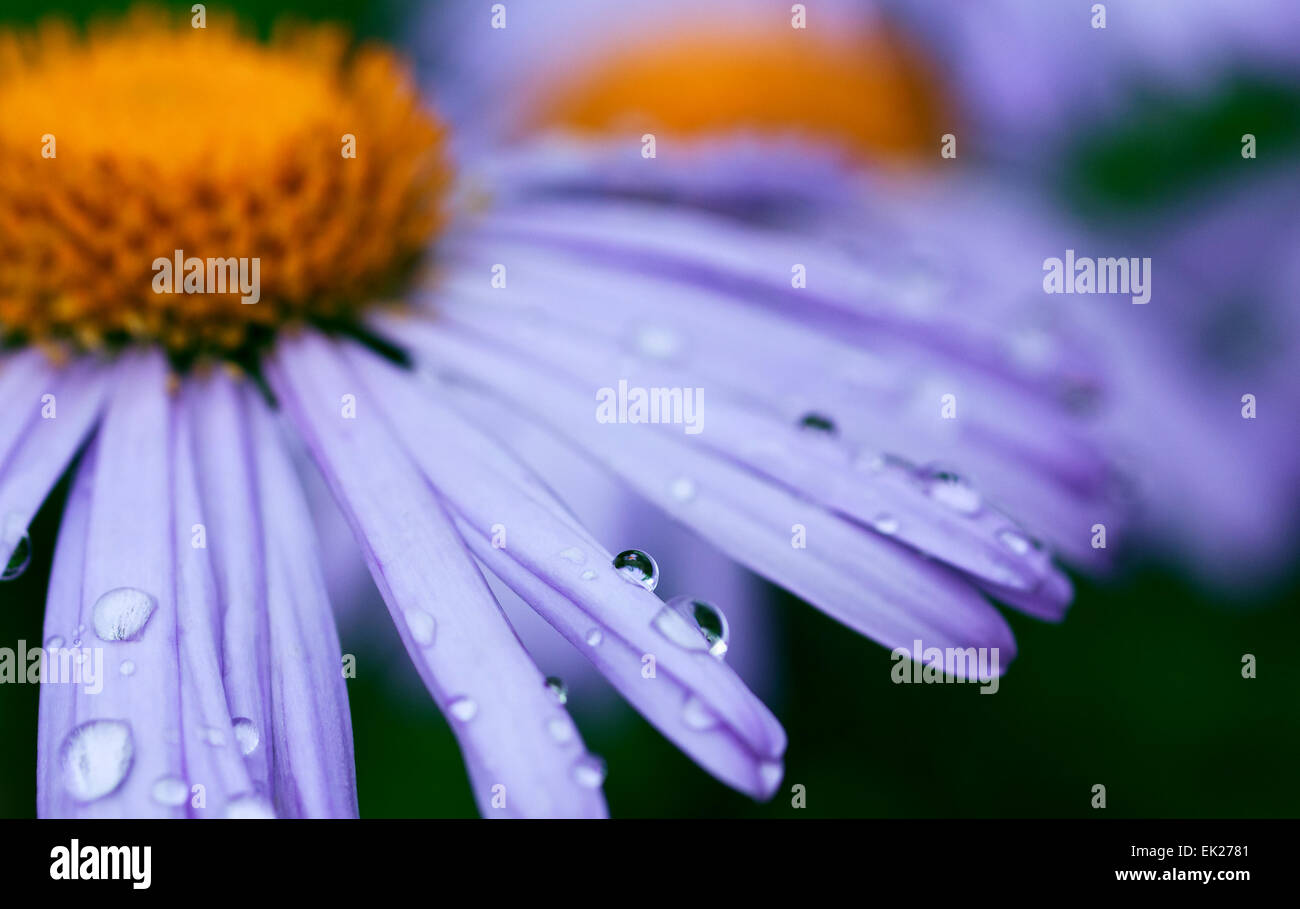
<point>19,560</point>
<point>697,716</point>
<point>638,568</point>
<point>121,614</point>
<point>214,737</point>
<point>76,642</point>
<point>695,625</point>
<point>574,554</point>
<point>170,791</point>
<point>246,735</point>
<point>885,523</point>
<point>249,807</point>
<point>589,575</point>
<point>557,689</point>
<point>463,709</point>
<point>127,668</point>
<point>950,488</point>
<point>54,643</point>
<point>816,422</point>
<point>682,489</point>
<point>95,758</point>
<point>589,771</point>
<point>560,728</point>
<point>423,627</point>
<point>1015,541</point>
<point>594,637</point>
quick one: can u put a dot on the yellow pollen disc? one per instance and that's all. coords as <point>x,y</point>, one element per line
<point>866,91</point>
<point>138,139</point>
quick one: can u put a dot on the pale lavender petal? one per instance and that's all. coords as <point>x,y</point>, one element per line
<point>312,729</point>
<point>494,697</point>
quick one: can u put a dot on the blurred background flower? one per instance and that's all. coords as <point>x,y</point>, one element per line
<point>1141,687</point>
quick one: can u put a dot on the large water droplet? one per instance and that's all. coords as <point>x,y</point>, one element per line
<point>422,625</point>
<point>695,625</point>
<point>589,771</point>
<point>950,488</point>
<point>170,791</point>
<point>558,690</point>
<point>637,567</point>
<point>95,758</point>
<point>121,614</point>
<point>246,735</point>
<point>249,807</point>
<point>19,560</point>
<point>463,709</point>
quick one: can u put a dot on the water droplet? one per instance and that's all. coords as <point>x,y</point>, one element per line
<point>121,614</point>
<point>127,668</point>
<point>1015,541</point>
<point>95,758</point>
<point>950,488</point>
<point>170,791</point>
<point>816,422</point>
<point>659,343</point>
<point>249,807</point>
<point>589,771</point>
<point>697,716</point>
<point>560,729</point>
<point>422,626</point>
<point>574,554</point>
<point>589,575</point>
<point>214,737</point>
<point>246,735</point>
<point>885,523</point>
<point>557,689</point>
<point>682,489</point>
<point>594,637</point>
<point>463,709</point>
<point>695,625</point>
<point>19,560</point>
<point>54,643</point>
<point>638,568</point>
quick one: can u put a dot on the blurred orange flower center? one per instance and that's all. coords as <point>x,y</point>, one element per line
<point>149,140</point>
<point>866,91</point>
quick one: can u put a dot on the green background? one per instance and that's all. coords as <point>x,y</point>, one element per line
<point>1140,689</point>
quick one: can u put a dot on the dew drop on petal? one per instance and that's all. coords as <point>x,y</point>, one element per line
<point>1015,541</point>
<point>816,422</point>
<point>249,807</point>
<point>170,791</point>
<point>422,625</point>
<point>463,709</point>
<point>558,690</point>
<point>574,554</point>
<point>214,737</point>
<point>95,758</point>
<point>949,488</point>
<point>121,614</point>
<point>19,560</point>
<point>589,771</point>
<point>682,489</point>
<point>885,523</point>
<point>638,568</point>
<point>127,668</point>
<point>246,735</point>
<point>594,637</point>
<point>589,575</point>
<point>54,643</point>
<point>560,728</point>
<point>695,625</point>
<point>697,716</point>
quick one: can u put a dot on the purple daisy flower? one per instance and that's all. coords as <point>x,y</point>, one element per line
<point>794,420</point>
